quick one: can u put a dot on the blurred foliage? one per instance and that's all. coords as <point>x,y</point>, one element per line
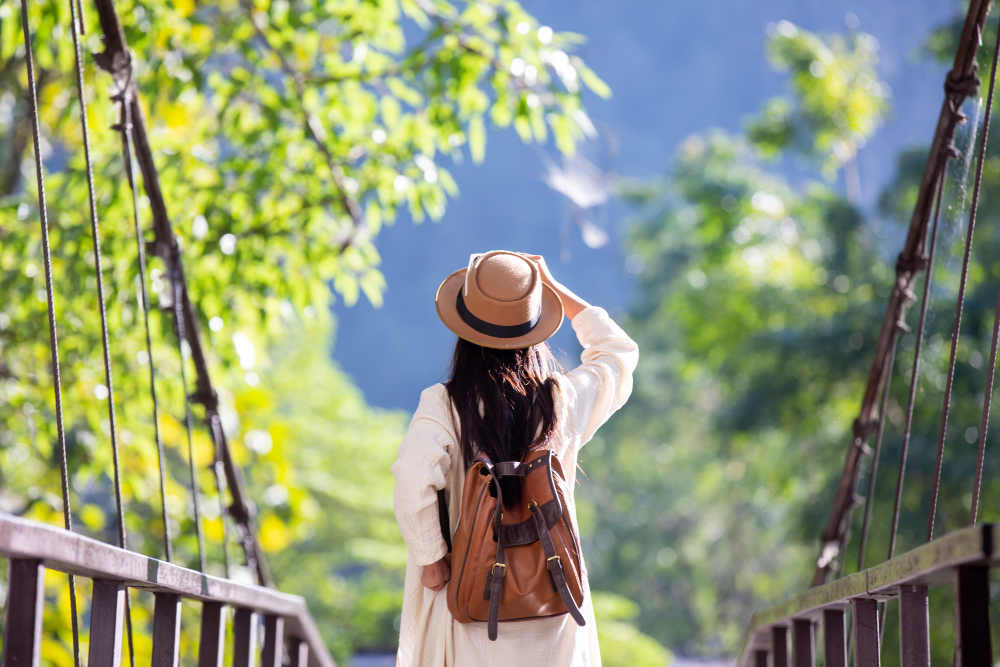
<point>318,461</point>
<point>286,134</point>
<point>762,292</point>
<point>761,296</point>
<point>622,644</point>
<point>836,101</point>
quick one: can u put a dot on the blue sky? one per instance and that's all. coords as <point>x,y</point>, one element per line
<point>676,68</point>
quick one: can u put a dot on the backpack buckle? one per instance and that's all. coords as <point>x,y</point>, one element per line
<point>496,565</point>
<point>549,562</point>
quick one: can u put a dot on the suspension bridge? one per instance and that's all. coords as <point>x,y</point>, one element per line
<point>848,612</point>
<point>290,635</point>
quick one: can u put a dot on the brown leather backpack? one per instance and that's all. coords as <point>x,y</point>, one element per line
<point>521,564</point>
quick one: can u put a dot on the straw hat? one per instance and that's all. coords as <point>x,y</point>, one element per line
<point>499,301</point>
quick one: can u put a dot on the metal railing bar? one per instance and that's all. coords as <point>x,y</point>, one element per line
<point>930,565</point>
<point>73,553</point>
<point>212,644</point>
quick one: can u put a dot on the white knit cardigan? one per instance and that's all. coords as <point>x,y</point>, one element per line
<point>430,458</point>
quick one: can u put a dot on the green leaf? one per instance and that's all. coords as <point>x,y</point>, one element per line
<point>593,82</point>
<point>477,139</point>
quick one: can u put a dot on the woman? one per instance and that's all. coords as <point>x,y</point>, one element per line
<point>503,398</point>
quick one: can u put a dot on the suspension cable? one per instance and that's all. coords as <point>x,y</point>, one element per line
<point>987,400</point>
<point>98,261</point>
<point>870,496</point>
<point>51,309</point>
<point>76,16</point>
<point>178,284</point>
<point>125,129</point>
<point>981,453</point>
<point>915,372</point>
<point>215,428</point>
<point>961,291</point>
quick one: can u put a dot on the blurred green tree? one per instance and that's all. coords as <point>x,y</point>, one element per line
<point>761,294</point>
<point>272,124</point>
<point>286,135</point>
<point>758,292</point>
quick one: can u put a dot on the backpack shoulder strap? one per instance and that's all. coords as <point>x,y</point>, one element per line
<point>499,569</point>
<point>444,518</point>
<point>554,564</point>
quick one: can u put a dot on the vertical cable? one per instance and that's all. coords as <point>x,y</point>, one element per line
<point>51,308</point>
<point>177,280</point>
<point>220,486</point>
<point>98,261</point>
<point>870,497</point>
<point>961,290</point>
<point>125,128</point>
<point>918,347</point>
<point>981,453</point>
<point>79,20</point>
<point>76,15</point>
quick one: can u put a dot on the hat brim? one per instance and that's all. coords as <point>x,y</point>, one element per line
<point>549,320</point>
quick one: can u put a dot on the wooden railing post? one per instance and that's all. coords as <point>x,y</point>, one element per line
<point>107,611</point>
<point>298,651</point>
<point>866,635</point>
<point>760,657</point>
<point>779,646</point>
<point>166,630</point>
<point>914,620</point>
<point>972,613</point>
<point>803,643</point>
<point>834,638</point>
<point>245,638</point>
<point>22,637</point>
<point>274,640</point>
<point>212,645</point>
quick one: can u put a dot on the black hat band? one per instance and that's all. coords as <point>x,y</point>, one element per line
<point>495,330</point>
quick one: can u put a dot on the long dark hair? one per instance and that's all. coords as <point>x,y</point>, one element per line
<point>504,401</point>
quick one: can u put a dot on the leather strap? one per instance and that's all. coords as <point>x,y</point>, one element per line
<point>443,518</point>
<point>554,565</point>
<point>499,570</point>
<point>517,468</point>
<point>525,532</point>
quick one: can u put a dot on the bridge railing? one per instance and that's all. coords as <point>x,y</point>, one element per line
<point>32,547</point>
<point>961,559</point>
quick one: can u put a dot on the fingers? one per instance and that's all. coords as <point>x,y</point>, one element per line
<point>437,586</point>
<point>434,577</point>
<point>536,259</point>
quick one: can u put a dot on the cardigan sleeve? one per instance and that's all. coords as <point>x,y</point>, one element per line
<point>603,381</point>
<point>421,469</point>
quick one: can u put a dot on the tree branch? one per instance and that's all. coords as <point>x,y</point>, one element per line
<point>316,132</point>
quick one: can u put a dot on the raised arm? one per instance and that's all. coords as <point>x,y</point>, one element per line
<point>572,304</point>
<point>601,384</point>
